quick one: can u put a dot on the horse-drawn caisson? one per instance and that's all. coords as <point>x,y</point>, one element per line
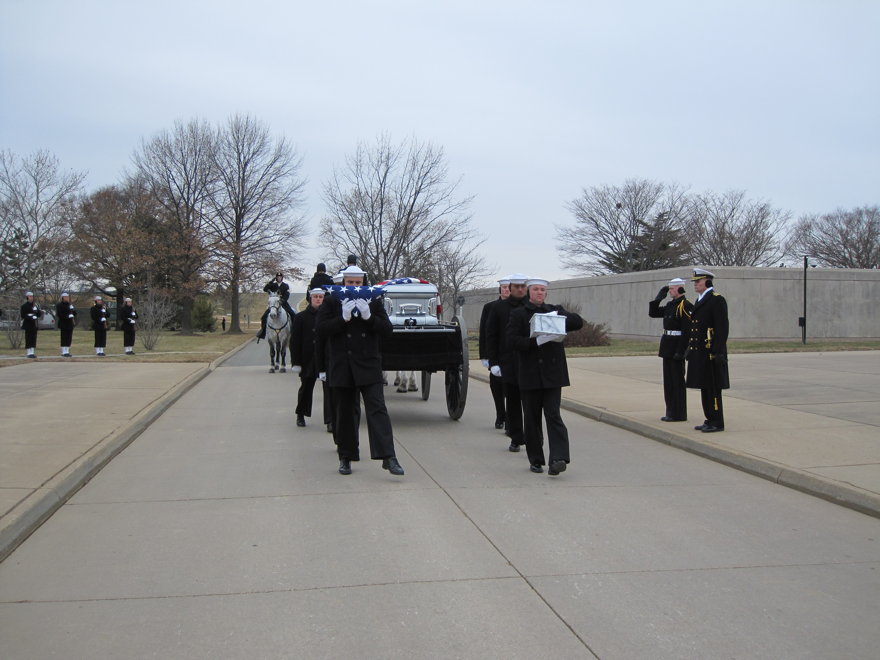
<point>421,341</point>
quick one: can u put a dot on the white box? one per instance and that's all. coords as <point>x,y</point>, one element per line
<point>547,324</point>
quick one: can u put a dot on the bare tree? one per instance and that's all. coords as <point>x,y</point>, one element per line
<point>730,230</point>
<point>36,202</point>
<point>156,309</point>
<point>393,206</point>
<point>179,171</point>
<point>110,231</point>
<point>619,229</point>
<point>255,219</point>
<point>459,267</point>
<point>841,239</point>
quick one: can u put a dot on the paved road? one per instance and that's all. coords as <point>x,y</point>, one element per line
<point>223,531</point>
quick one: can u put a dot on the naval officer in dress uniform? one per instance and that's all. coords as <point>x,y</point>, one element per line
<point>676,315</point>
<point>30,314</point>
<point>65,312</point>
<point>496,384</point>
<point>707,350</point>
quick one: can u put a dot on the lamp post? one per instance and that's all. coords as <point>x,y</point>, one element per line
<point>802,321</point>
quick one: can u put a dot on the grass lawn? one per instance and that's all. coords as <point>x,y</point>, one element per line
<point>171,347</point>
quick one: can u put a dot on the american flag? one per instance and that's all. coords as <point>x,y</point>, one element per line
<point>368,292</point>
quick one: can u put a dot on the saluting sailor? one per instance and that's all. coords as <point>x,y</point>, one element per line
<point>30,314</point>
<point>676,316</point>
<point>707,350</point>
<point>65,312</point>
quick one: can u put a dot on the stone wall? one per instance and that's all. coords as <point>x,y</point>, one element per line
<point>762,302</point>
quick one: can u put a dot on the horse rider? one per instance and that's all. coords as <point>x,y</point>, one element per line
<point>281,289</point>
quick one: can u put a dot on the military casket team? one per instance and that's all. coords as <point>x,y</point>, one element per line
<point>337,339</point>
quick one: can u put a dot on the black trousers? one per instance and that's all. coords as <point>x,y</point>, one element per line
<point>496,386</point>
<point>66,336</point>
<point>378,422</point>
<point>514,412</point>
<point>546,402</point>
<point>100,337</point>
<point>30,337</point>
<point>713,408</point>
<point>304,396</point>
<point>674,391</point>
<point>128,337</point>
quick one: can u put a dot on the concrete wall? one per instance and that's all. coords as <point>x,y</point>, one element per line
<point>762,302</point>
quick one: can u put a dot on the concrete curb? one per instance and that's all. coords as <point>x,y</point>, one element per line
<point>39,506</point>
<point>837,492</point>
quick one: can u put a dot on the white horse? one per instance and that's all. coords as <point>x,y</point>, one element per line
<point>401,379</point>
<point>277,335</point>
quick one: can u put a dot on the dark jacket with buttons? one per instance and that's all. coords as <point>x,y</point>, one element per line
<point>707,341</point>
<point>30,312</point>
<point>302,342</point>
<point>65,312</point>
<point>539,367</point>
<point>676,315</point>
<point>498,349</point>
<point>353,350</point>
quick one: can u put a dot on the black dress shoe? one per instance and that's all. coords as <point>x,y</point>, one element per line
<point>700,427</point>
<point>556,467</point>
<point>344,466</point>
<point>708,428</point>
<point>667,418</point>
<point>31,356</point>
<point>392,465</point>
<point>499,423</point>
<point>300,421</point>
<point>329,428</point>
<point>534,467</point>
<point>514,447</point>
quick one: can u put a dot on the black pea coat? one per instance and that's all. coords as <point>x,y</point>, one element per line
<point>30,312</point>
<point>302,342</point>
<point>676,316</point>
<point>320,279</point>
<point>707,343</point>
<point>539,367</point>
<point>65,312</point>
<point>484,318</point>
<point>498,348</point>
<point>98,312</point>
<point>128,317</point>
<point>282,289</point>
<point>353,348</point>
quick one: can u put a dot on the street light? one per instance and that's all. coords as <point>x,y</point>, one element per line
<point>802,321</point>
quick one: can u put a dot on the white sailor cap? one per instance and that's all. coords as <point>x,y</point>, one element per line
<point>337,279</point>
<point>353,271</point>
<point>126,300</point>
<point>98,298</point>
<point>504,280</point>
<point>28,293</point>
<point>675,281</point>
<point>317,291</point>
<point>701,273</point>
<point>64,293</point>
<point>518,278</point>
<point>538,281</point>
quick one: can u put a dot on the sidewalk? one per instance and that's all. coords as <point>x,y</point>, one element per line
<point>62,422</point>
<point>810,421</point>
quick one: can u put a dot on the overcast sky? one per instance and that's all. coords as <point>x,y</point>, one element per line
<point>532,101</point>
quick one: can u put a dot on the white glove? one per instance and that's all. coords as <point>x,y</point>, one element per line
<point>495,371</point>
<point>485,363</point>
<point>364,308</point>
<point>322,376</point>
<point>296,368</point>
<point>70,316</point>
<point>347,306</point>
<point>103,319</point>
<point>543,339</point>
<point>133,321</point>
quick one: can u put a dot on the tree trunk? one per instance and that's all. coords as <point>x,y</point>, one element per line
<point>234,325</point>
<point>186,308</point>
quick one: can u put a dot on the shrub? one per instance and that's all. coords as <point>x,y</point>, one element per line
<point>203,315</point>
<point>592,334</point>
